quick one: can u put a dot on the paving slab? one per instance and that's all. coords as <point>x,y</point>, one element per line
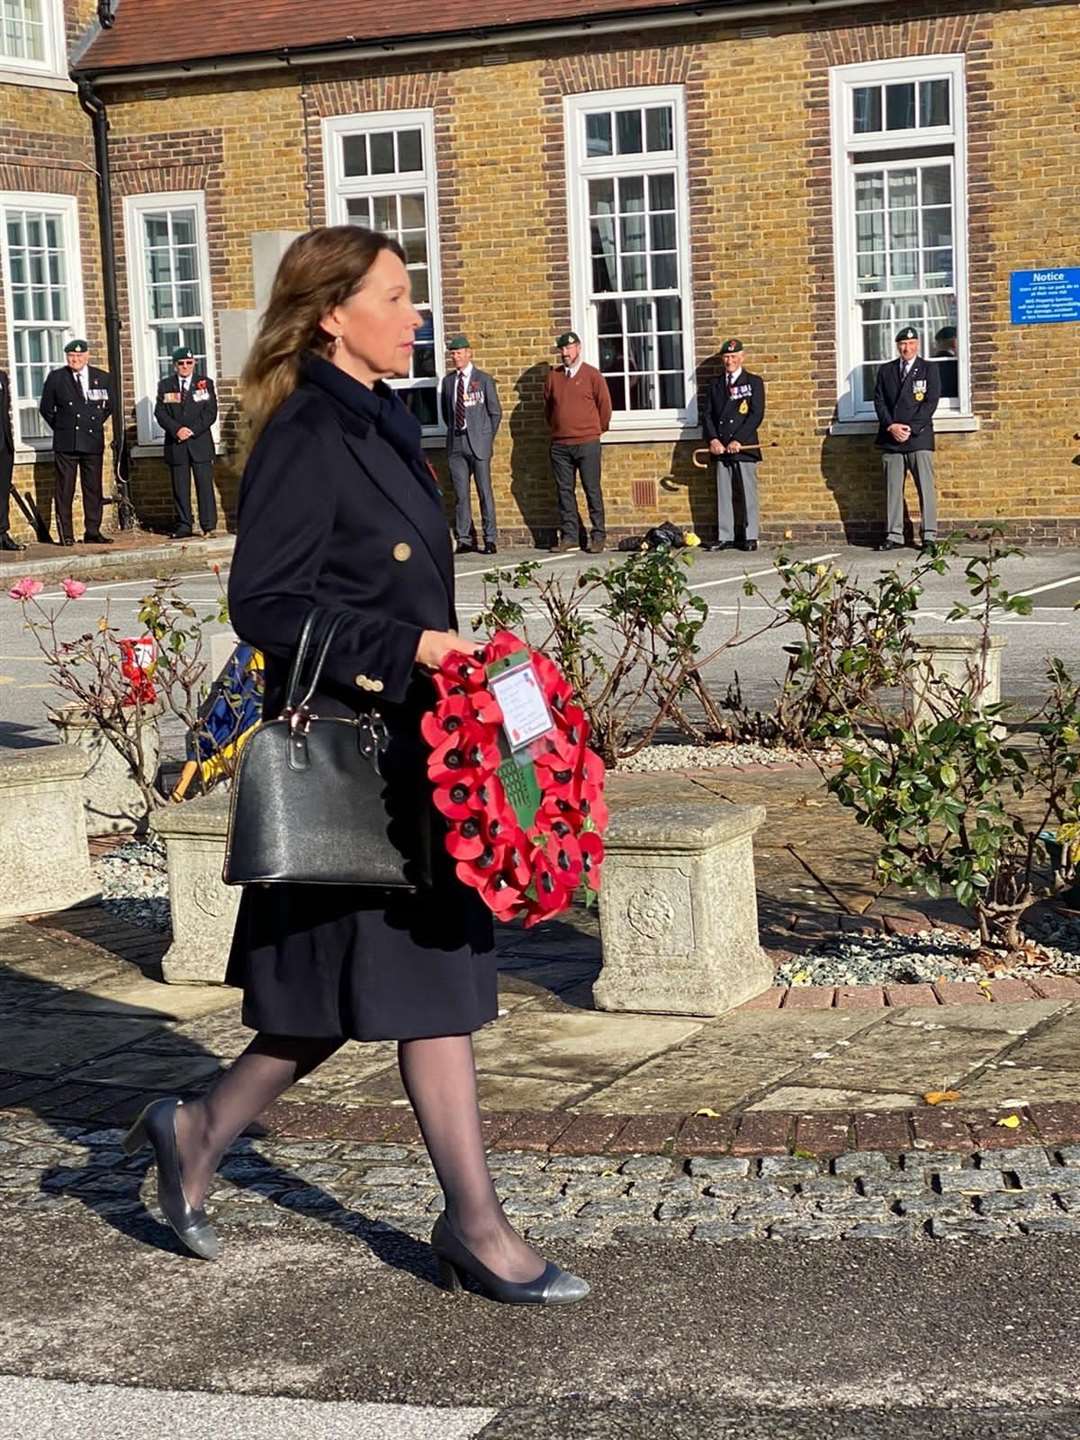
<point>43,1042</point>
<point>138,995</point>
<point>576,1046</point>
<point>804,1097</point>
<point>728,1061</point>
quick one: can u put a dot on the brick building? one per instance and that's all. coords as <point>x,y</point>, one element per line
<point>654,175</point>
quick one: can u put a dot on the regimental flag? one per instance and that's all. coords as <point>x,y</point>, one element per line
<point>228,715</point>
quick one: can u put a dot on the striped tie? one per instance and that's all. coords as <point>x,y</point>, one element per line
<point>459,403</point>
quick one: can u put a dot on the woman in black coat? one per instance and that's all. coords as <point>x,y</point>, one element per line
<point>338,509</point>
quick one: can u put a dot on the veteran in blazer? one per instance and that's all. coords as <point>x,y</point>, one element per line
<point>906,394</point>
<point>76,401</point>
<point>186,410</point>
<point>338,509</point>
<point>7,464</point>
<point>734,408</point>
<point>469,403</point>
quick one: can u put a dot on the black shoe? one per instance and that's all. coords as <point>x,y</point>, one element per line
<point>208,534</point>
<point>464,547</point>
<point>7,543</point>
<point>563,547</point>
<point>181,535</point>
<point>95,537</point>
<point>889,545</point>
<point>750,545</point>
<point>156,1127</point>
<point>66,540</point>
<point>720,545</point>
<point>597,545</point>
<point>551,1287</point>
<point>491,548</point>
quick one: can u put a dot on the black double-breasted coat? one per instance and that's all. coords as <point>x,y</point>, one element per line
<point>332,514</point>
<point>910,400</point>
<point>77,420</point>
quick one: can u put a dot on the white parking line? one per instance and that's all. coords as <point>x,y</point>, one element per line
<point>757,574</point>
<point>1053,585</point>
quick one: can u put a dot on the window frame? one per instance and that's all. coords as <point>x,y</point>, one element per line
<point>884,148</point>
<point>143,362</point>
<point>67,207</point>
<point>668,423</point>
<point>341,188</point>
<point>15,70</point>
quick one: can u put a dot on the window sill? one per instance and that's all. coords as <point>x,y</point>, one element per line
<point>32,454</point>
<point>36,79</point>
<point>646,434</point>
<point>943,425</point>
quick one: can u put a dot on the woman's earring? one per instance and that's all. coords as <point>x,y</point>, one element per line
<point>336,345</point>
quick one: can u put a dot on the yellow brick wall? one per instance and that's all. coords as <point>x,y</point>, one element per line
<point>761,242</point>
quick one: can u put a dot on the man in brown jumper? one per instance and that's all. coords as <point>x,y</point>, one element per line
<point>577,404</point>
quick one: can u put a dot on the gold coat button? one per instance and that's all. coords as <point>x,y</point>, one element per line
<point>376,685</point>
<point>402,551</point>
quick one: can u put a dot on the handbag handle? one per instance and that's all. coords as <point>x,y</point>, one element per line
<point>296,672</point>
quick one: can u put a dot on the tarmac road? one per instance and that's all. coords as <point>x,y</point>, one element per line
<point>788,1341</point>
<point>1053,628</point>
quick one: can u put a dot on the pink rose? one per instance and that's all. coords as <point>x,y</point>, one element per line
<point>26,588</point>
<point>73,588</point>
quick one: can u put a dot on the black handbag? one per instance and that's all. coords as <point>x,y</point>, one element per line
<point>328,800</point>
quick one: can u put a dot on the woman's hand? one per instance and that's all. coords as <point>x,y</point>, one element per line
<point>435,645</point>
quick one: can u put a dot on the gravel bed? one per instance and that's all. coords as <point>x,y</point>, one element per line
<point>699,757</point>
<point>135,884</point>
<point>928,956</point>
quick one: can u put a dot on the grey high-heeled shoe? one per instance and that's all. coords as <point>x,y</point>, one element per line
<point>551,1287</point>
<point>156,1126</point>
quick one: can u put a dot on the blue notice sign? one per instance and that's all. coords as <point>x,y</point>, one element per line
<point>1044,297</point>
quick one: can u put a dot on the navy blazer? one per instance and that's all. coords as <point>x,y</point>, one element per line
<point>331,514</point>
<point>910,402</point>
<point>735,416</point>
<point>197,415</point>
<point>78,424</point>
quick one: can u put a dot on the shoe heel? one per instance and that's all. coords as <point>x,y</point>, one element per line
<point>449,1278</point>
<point>136,1137</point>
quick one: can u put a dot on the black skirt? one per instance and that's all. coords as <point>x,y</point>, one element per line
<point>343,962</point>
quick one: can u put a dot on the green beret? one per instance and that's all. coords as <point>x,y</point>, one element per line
<point>731,347</point>
<point>459,342</point>
<point>76,347</point>
<point>568,337</point>
<point>908,333</point>
<point>183,352</point>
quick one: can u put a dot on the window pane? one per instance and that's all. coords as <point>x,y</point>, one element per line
<point>617,389</point>
<point>422,401</point>
<point>410,150</point>
<point>937,185</point>
<point>413,212</point>
<point>631,193</point>
<point>866,109</point>
<point>384,213</point>
<point>421,288</point>
<point>662,232</point>
<point>183,227</point>
<point>423,360</point>
<point>359,211</point>
<point>601,197</point>
<point>609,318</point>
<point>670,352</point>
<point>938,269</point>
<point>628,132</point>
<point>382,152</point>
<point>937,227</point>
<point>632,232</point>
<point>659,128</point>
<point>156,229</point>
<point>354,155</point>
<point>638,317</point>
<point>933,102</point>
<point>633,272</point>
<point>640,353</point>
<point>869,191</point>
<point>414,243</point>
<point>187,299</point>
<point>611,353</point>
<point>661,192</point>
<point>900,107</point>
<point>672,392</point>
<point>665,272</point>
<point>641,393</point>
<point>598,134</point>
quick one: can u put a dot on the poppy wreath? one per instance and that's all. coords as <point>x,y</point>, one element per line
<point>527,860</point>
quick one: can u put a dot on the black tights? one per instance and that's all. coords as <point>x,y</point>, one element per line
<point>439,1076</point>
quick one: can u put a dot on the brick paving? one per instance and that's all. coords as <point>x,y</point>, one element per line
<point>59,1169</point>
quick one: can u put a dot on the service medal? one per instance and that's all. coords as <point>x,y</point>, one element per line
<point>744,408</point>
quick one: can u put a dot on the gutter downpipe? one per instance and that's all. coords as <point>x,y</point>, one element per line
<point>94,106</point>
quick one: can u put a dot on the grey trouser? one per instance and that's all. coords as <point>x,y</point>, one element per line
<point>921,465</point>
<point>727,472</point>
<point>568,461</point>
<point>464,468</point>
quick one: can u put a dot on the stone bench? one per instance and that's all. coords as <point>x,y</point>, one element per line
<point>44,856</point>
<point>678,909</point>
<point>203,907</point>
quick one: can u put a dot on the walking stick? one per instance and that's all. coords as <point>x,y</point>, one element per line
<point>28,506</point>
<point>709,456</point>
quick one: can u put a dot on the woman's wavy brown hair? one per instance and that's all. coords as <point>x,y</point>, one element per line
<point>318,271</point>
